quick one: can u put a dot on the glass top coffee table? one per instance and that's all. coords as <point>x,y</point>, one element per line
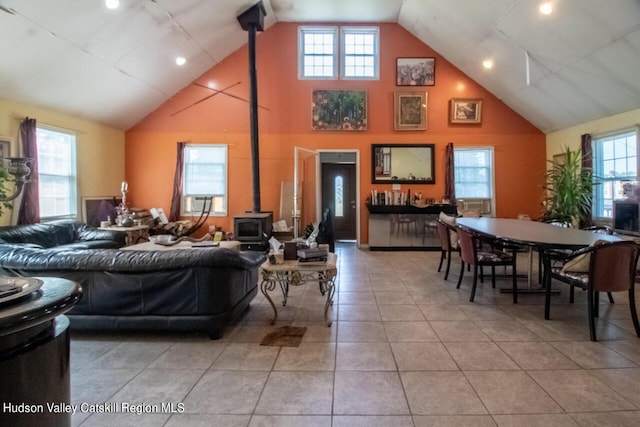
<point>294,273</point>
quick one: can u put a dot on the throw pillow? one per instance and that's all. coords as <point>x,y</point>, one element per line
<point>580,264</point>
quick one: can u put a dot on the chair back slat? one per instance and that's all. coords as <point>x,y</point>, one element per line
<point>443,234</point>
<point>612,267</point>
<point>467,246</point>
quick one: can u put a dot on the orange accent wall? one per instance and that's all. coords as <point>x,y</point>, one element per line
<point>285,122</point>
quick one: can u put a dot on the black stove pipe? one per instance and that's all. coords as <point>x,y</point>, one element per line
<point>251,21</point>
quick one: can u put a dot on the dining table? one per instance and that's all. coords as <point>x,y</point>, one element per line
<point>540,236</point>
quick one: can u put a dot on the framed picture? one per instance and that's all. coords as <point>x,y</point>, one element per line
<point>465,111</point>
<point>344,110</point>
<point>403,163</point>
<point>415,71</point>
<point>5,146</point>
<point>410,111</point>
<point>96,209</point>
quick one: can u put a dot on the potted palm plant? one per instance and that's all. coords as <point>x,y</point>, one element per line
<point>569,190</point>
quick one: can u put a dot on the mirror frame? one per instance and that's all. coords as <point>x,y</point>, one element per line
<point>430,180</point>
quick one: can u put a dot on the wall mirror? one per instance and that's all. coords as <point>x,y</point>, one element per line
<point>402,164</point>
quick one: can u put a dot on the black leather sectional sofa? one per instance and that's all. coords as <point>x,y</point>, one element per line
<point>185,289</point>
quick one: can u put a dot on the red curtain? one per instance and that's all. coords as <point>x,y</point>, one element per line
<point>29,211</point>
<point>449,177</point>
<point>176,198</point>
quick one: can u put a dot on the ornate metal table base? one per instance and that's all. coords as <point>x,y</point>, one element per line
<point>292,273</point>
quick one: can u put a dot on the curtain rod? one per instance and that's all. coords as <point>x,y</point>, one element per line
<point>54,127</point>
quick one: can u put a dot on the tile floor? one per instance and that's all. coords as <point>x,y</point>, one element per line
<point>406,349</point>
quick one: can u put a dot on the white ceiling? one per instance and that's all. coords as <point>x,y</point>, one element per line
<point>117,66</point>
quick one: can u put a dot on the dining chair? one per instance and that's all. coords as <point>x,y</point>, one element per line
<point>448,243</point>
<point>472,253</point>
<point>611,268</point>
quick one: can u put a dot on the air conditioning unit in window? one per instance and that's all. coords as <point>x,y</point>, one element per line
<point>481,206</point>
<point>195,203</point>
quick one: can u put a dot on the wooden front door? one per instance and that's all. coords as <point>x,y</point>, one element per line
<point>339,195</point>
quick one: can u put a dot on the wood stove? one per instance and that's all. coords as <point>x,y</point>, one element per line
<point>253,230</point>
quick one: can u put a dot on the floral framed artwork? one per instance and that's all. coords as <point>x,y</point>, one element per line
<point>415,71</point>
<point>343,110</point>
<point>465,111</point>
<point>410,110</point>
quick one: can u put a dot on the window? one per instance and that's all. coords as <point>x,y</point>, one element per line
<point>319,55</point>
<point>338,197</point>
<point>473,173</point>
<point>615,161</point>
<point>57,177</point>
<point>205,177</point>
<point>360,53</point>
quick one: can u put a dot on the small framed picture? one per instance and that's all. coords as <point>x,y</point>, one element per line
<point>410,110</point>
<point>415,71</point>
<point>465,111</point>
<point>5,146</point>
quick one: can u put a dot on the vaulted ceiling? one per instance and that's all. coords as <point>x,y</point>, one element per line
<point>577,64</point>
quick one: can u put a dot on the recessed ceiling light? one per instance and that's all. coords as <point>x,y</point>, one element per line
<point>488,64</point>
<point>112,4</point>
<point>546,8</point>
<point>180,60</point>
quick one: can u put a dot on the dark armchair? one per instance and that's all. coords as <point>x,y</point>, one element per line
<point>611,268</point>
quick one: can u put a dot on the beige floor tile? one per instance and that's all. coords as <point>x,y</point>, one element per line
<point>372,421</point>
<point>537,355</point>
<point>393,297</point>
<point>453,421</point>
<point>255,331</point>
<point>364,357</point>
<point>358,313</point>
<point>361,332</point>
<point>400,312</point>
<point>362,297</point>
<point>87,351</point>
<point>318,332</point>
<point>419,331</point>
<point>537,420</point>
<point>506,330</point>
<point>313,313</point>
<point>198,355</point>
<point>617,419</point>
<point>371,393</point>
<point>156,386</point>
<point>440,393</point>
<point>290,421</point>
<point>592,355</point>
<point>555,330</point>
<point>226,392</point>
<point>431,356</point>
<point>511,392</point>
<point>297,393</point>
<point>207,420</point>
<point>246,357</point>
<point>307,357</point>
<point>480,356</point>
<point>485,312</point>
<point>98,385</point>
<point>458,331</point>
<point>628,349</point>
<point>126,420</point>
<point>442,312</point>
<point>430,296</point>
<point>624,381</point>
<point>131,355</point>
<point>580,391</point>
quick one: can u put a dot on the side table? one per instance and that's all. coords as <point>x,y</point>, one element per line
<point>134,233</point>
<point>293,273</point>
<point>34,355</point>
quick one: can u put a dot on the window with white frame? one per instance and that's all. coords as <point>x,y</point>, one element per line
<point>615,161</point>
<point>473,170</point>
<point>320,54</point>
<point>204,178</point>
<point>57,173</point>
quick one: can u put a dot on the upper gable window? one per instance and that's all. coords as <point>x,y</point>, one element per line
<point>321,56</point>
